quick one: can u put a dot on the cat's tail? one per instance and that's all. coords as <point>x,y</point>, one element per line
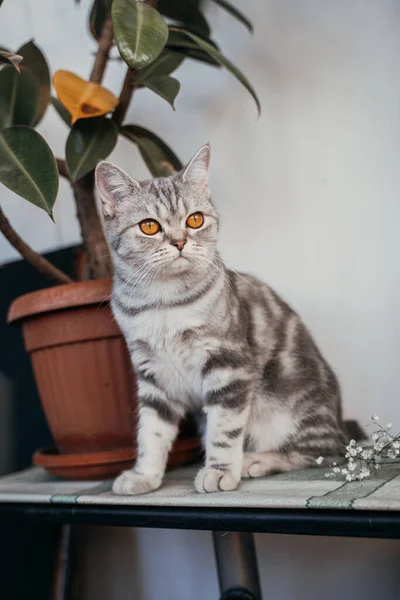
<point>354,431</point>
<point>259,464</point>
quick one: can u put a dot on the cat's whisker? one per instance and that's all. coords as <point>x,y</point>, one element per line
<point>236,273</point>
<point>219,269</point>
<point>151,269</point>
<point>131,278</point>
<point>219,259</point>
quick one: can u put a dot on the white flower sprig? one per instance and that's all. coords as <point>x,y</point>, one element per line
<point>362,461</point>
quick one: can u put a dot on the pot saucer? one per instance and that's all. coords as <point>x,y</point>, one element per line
<point>109,463</point>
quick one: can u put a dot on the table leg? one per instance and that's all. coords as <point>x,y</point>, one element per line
<point>237,566</point>
<point>61,580</point>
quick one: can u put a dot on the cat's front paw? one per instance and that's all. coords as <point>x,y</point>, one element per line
<point>130,483</point>
<point>209,479</point>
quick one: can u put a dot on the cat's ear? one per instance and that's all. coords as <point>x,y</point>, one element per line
<point>196,171</point>
<point>113,185</point>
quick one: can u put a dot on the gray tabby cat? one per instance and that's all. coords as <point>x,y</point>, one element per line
<point>204,338</point>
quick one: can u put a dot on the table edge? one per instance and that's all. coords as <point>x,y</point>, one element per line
<point>327,522</point>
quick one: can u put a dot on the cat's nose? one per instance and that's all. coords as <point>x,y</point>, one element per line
<point>179,244</point>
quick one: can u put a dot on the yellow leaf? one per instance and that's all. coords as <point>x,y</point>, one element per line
<point>83,99</point>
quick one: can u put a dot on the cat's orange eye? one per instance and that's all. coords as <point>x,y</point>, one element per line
<point>149,227</point>
<point>195,220</point>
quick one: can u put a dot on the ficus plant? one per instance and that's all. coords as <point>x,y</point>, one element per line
<point>153,38</point>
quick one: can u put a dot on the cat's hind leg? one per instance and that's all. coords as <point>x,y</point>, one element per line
<point>259,464</point>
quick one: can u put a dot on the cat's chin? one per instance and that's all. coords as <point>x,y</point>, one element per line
<point>179,266</point>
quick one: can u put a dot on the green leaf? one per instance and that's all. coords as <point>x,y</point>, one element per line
<point>89,141</point>
<point>225,62</point>
<point>35,61</point>
<point>28,167</point>
<point>62,111</point>
<point>100,10</point>
<point>159,158</point>
<point>177,38</point>
<point>11,59</point>
<point>232,10</point>
<point>186,12</point>
<point>140,32</point>
<point>19,95</point>
<point>197,54</point>
<point>164,86</point>
<point>178,41</point>
<point>165,64</point>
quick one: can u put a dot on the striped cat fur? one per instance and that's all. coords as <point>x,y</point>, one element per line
<point>205,339</point>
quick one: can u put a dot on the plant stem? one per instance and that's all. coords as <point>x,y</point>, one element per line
<point>125,97</point>
<point>36,260</point>
<point>103,51</point>
<point>128,87</point>
<point>94,240</point>
<point>62,168</point>
<point>96,246</point>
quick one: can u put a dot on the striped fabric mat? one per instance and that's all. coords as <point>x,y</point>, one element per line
<point>298,489</point>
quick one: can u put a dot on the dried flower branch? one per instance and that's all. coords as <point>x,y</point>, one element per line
<point>363,461</point>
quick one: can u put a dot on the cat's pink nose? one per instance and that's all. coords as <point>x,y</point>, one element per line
<point>179,244</point>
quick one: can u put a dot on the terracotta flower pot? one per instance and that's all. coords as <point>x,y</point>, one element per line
<point>82,369</point>
<point>81,366</point>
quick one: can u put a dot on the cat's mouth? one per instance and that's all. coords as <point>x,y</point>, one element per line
<point>180,258</point>
<point>179,264</point>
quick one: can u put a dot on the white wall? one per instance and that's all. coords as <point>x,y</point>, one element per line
<point>309,201</point>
